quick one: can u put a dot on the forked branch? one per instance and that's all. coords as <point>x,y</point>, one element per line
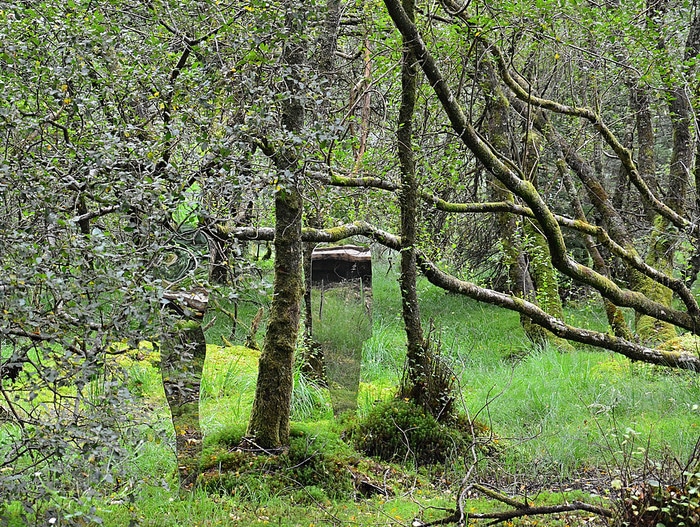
<point>459,517</point>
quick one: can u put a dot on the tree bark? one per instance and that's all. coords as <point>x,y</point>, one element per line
<point>268,428</point>
<point>544,277</point>
<point>415,378</point>
<point>662,239</point>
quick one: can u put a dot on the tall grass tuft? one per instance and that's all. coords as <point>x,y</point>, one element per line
<point>310,400</point>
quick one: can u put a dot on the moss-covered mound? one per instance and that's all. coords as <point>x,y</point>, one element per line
<point>313,469</point>
<point>399,430</point>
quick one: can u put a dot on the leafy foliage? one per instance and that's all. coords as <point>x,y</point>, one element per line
<point>654,505</point>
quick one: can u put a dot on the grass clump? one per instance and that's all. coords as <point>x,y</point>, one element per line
<point>399,430</point>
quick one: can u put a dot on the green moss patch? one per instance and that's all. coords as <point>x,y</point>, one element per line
<point>400,431</point>
<point>315,468</point>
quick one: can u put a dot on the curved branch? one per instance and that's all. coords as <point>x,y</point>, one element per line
<point>513,181</point>
<point>623,153</point>
<point>624,347</point>
<point>333,234</point>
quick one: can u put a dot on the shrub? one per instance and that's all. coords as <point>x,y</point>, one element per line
<point>399,430</point>
<point>652,505</point>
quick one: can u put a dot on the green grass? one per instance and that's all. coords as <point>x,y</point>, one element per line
<point>557,408</point>
<point>555,416</point>
<point>341,325</point>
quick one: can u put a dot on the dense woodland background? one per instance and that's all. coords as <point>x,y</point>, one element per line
<point>526,155</point>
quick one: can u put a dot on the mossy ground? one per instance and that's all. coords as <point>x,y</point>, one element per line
<point>559,421</point>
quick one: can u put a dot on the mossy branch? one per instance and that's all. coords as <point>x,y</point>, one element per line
<point>624,347</point>
<point>523,92</point>
<point>513,180</point>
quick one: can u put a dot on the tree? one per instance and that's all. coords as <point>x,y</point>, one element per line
<point>269,420</point>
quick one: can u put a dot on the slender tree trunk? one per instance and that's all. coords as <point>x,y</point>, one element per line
<point>269,421</point>
<point>414,383</point>
<point>692,49</point>
<point>646,157</point>
<point>544,276</point>
<point>662,242</point>
<point>313,360</point>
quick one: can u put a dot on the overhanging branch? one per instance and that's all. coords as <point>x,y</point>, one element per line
<point>439,278</point>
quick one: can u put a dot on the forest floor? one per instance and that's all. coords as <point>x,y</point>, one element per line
<point>558,427</point>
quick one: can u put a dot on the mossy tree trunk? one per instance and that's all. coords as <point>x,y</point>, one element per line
<point>426,380</point>
<point>690,273</point>
<point>415,378</point>
<point>649,329</point>
<point>600,199</point>
<point>663,240</point>
<point>183,352</point>
<point>268,428</point>
<point>269,421</point>
<point>525,250</point>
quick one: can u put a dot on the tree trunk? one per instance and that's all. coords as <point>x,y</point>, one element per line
<point>425,381</point>
<point>510,228</point>
<point>662,243</point>
<point>269,421</point>
<point>268,428</point>
<point>183,352</point>
<point>414,381</point>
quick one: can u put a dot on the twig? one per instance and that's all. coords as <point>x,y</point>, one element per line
<point>458,516</point>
